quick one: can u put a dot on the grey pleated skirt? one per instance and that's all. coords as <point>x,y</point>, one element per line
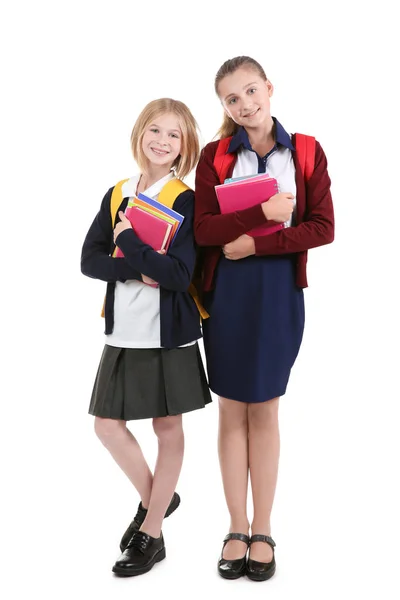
<point>144,383</point>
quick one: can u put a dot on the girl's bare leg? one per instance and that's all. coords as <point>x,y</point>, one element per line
<point>264,445</point>
<point>234,464</point>
<point>170,436</point>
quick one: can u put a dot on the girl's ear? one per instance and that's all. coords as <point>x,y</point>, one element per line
<point>270,88</point>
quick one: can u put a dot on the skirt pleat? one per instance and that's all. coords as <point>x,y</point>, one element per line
<point>146,383</point>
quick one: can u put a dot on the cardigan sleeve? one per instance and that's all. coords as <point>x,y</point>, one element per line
<point>173,270</point>
<point>210,227</point>
<point>96,261</point>
<point>317,228</point>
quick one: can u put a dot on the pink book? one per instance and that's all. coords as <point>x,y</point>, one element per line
<point>248,193</point>
<point>152,230</point>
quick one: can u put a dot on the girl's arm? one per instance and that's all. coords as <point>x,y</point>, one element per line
<point>318,226</point>
<point>173,270</point>
<point>96,261</point>
<point>210,227</point>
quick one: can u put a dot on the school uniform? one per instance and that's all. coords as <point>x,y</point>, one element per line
<point>256,304</point>
<point>151,364</point>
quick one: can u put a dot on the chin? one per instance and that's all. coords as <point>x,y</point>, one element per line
<point>256,122</point>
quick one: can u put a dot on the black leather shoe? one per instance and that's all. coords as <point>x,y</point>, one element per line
<point>140,517</point>
<point>233,569</point>
<point>260,571</point>
<point>141,554</point>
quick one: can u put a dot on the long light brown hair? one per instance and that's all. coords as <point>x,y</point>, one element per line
<point>229,127</point>
<point>190,146</point>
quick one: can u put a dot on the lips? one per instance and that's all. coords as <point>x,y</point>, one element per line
<point>252,114</point>
<point>159,152</point>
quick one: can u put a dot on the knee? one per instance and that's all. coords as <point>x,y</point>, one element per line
<point>232,414</point>
<point>107,430</point>
<point>264,415</point>
<point>168,429</point>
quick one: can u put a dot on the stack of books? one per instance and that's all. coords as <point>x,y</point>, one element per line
<point>244,192</point>
<point>155,224</point>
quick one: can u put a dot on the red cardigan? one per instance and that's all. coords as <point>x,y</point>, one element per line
<point>314,217</point>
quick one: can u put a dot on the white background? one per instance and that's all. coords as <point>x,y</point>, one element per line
<point>75,75</point>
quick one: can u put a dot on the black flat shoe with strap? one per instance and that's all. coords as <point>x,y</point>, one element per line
<point>233,569</point>
<point>260,571</point>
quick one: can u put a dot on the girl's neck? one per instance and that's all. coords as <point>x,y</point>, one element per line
<point>262,139</point>
<point>152,175</point>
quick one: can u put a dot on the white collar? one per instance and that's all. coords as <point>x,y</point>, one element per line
<point>129,187</point>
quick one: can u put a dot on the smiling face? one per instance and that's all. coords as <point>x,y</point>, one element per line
<point>245,97</point>
<point>161,142</point>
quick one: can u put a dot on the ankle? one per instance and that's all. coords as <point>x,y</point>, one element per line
<point>154,532</point>
<point>260,528</point>
<point>239,526</point>
<point>151,527</point>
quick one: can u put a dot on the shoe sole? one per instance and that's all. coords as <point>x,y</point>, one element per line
<point>122,572</point>
<point>260,577</point>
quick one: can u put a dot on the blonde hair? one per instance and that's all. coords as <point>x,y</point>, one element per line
<point>190,146</point>
<point>229,127</point>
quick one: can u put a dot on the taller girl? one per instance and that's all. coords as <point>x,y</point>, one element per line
<point>253,293</point>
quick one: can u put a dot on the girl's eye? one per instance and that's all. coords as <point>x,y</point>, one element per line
<point>232,101</point>
<point>174,135</point>
<point>252,90</point>
<point>154,130</point>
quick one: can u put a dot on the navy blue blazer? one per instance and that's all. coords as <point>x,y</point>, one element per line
<point>179,316</point>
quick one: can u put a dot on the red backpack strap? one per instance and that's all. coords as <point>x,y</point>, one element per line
<point>305,148</point>
<point>222,160</point>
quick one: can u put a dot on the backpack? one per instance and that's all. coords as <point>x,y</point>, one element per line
<point>167,196</point>
<point>305,149</point>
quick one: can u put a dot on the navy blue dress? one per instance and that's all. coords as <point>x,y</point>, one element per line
<point>256,324</point>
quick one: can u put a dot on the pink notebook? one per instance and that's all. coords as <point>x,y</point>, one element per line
<point>245,194</point>
<point>150,229</point>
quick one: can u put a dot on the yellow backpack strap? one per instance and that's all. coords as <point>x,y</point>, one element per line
<point>116,199</point>
<point>171,191</point>
<point>167,196</point>
<point>195,295</point>
<point>115,203</point>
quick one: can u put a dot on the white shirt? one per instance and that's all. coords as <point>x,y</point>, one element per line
<point>137,305</point>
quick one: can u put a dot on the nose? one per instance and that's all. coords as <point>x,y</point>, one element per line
<point>163,140</point>
<point>247,106</point>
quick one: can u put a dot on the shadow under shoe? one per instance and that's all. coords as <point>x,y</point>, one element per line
<point>233,569</point>
<point>140,516</point>
<point>140,555</point>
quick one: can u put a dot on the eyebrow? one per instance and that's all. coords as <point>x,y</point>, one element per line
<point>158,127</point>
<point>244,87</point>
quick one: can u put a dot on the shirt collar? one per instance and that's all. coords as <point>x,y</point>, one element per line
<point>129,187</point>
<point>241,138</point>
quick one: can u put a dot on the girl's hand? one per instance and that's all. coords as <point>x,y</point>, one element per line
<point>240,248</point>
<point>279,207</point>
<point>148,280</point>
<point>123,224</point>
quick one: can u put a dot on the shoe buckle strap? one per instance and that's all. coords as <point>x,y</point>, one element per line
<point>262,538</point>
<point>241,537</point>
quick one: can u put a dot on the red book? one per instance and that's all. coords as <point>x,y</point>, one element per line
<point>152,230</point>
<point>245,194</point>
